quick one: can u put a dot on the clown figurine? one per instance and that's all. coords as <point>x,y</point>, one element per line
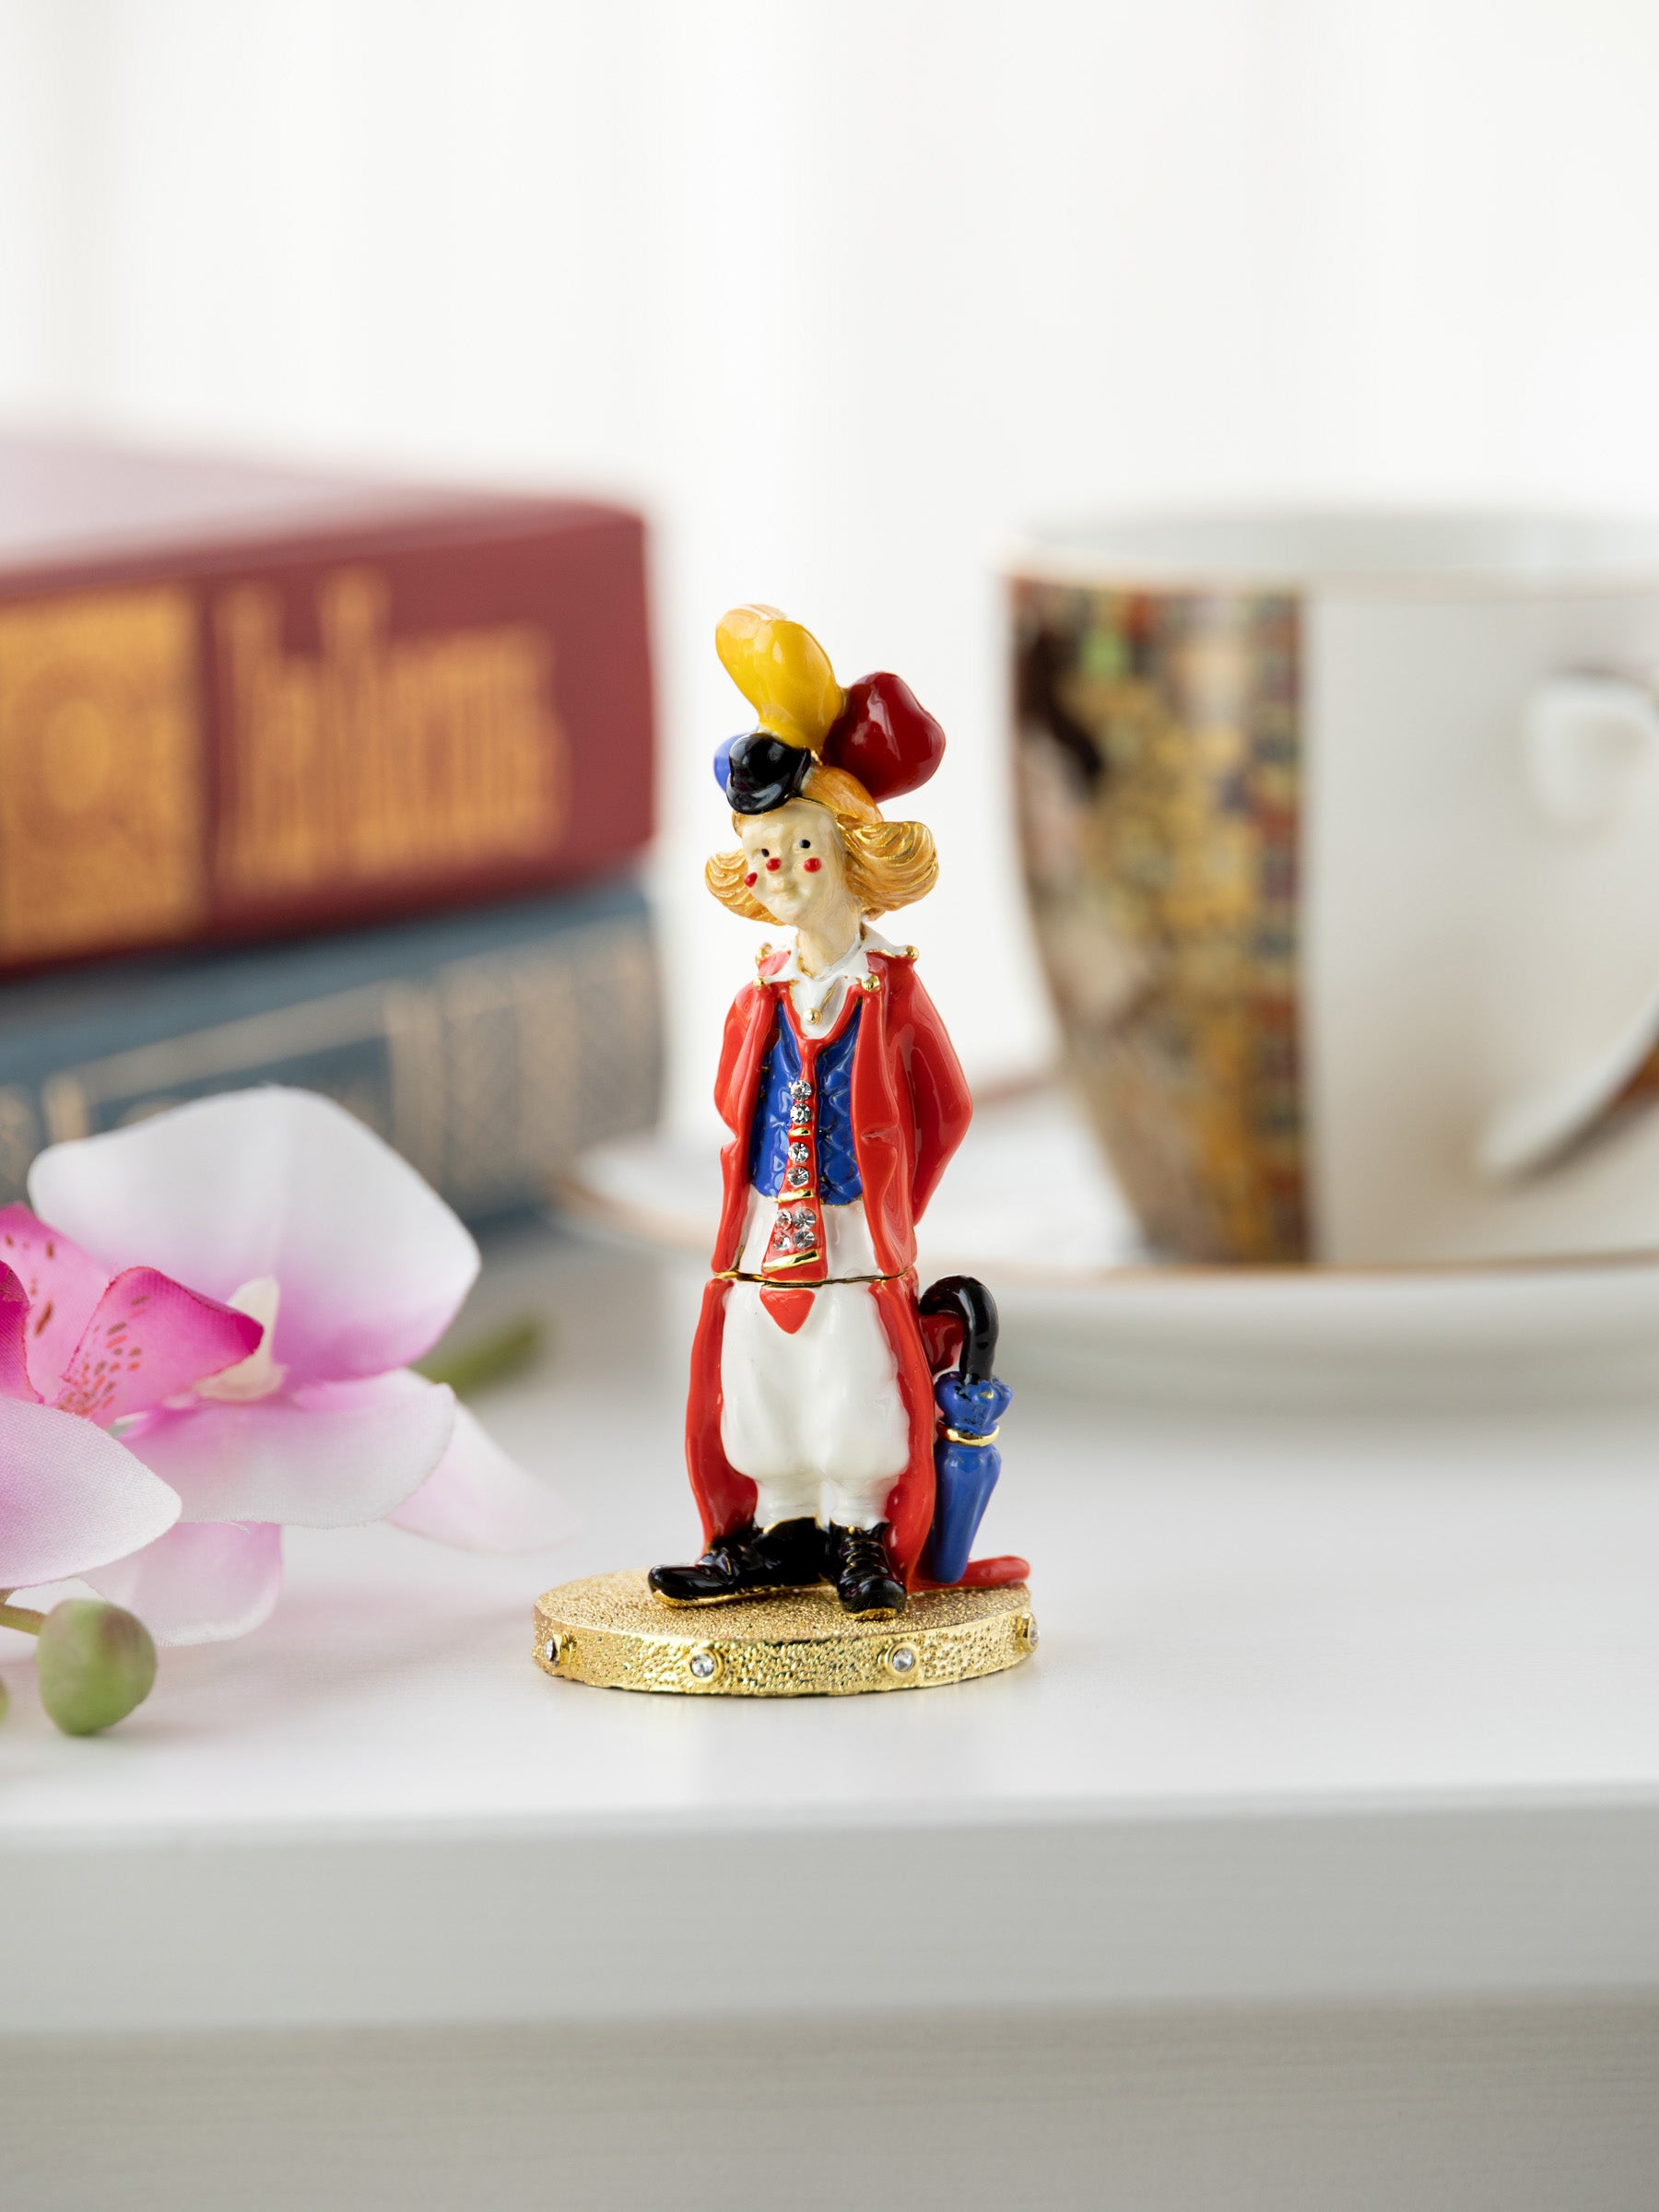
<point>842,1422</point>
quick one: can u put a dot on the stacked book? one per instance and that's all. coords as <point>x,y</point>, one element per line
<point>317,782</point>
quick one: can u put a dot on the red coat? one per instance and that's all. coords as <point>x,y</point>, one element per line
<point>911,1109</point>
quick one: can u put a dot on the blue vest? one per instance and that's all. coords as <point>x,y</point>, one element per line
<point>769,1138</point>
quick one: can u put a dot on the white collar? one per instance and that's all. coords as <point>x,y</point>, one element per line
<point>852,962</point>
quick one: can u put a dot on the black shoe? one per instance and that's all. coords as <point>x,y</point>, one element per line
<point>787,1557</point>
<point>866,1581</point>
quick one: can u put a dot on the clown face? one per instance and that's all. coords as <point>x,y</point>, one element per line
<point>794,863</point>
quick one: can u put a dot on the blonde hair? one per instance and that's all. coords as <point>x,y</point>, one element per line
<point>888,864</point>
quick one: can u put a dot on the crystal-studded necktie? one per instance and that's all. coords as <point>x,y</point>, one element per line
<point>796,1245</point>
<point>795,1252</point>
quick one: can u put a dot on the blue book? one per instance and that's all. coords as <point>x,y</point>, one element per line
<point>489,1047</point>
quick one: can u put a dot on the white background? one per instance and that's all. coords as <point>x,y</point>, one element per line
<point>845,293</point>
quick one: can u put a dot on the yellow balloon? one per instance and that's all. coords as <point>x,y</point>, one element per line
<point>784,673</point>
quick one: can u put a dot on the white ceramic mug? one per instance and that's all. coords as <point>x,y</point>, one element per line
<point>1342,837</point>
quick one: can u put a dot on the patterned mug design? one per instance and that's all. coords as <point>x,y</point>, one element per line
<point>1158,751</point>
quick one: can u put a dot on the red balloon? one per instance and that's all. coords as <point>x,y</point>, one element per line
<point>885,737</point>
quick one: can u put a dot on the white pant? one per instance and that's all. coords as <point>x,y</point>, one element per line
<point>814,1420</point>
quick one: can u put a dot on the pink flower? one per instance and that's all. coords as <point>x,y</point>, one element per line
<point>283,1206</point>
<point>78,1350</point>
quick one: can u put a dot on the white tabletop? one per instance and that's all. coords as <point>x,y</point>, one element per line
<point>1324,1706</point>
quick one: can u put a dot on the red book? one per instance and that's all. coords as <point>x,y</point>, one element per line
<point>244,701</point>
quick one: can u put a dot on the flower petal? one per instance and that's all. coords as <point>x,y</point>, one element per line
<point>327,1456</point>
<point>200,1582</point>
<point>149,1339</point>
<point>64,1288</point>
<point>70,1497</point>
<point>479,1498</point>
<point>372,1264</point>
<point>14,1338</point>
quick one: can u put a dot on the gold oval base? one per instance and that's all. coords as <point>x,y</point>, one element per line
<point>612,1633</point>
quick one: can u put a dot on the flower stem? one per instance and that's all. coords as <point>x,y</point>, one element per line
<point>21,1617</point>
<point>492,1358</point>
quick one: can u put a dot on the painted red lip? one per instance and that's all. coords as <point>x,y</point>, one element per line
<point>772,866</point>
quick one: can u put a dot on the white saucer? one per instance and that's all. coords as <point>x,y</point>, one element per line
<point>1029,1207</point>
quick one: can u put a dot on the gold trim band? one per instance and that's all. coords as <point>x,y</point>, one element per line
<point>733,1274</point>
<point>958,1435</point>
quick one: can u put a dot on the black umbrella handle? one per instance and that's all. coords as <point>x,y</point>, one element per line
<point>973,1305</point>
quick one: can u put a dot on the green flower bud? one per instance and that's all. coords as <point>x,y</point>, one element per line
<point>94,1662</point>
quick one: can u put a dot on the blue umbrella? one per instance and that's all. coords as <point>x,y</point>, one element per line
<point>971,1402</point>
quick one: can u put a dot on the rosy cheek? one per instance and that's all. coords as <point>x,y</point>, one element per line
<point>752,877</point>
<point>813,866</point>
<point>772,866</point>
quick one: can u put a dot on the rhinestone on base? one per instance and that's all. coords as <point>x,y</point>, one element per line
<point>550,1651</point>
<point>902,1659</point>
<point>702,1665</point>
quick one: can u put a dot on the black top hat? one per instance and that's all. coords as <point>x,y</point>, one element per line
<point>763,772</point>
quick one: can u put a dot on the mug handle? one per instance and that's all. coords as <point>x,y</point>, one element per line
<point>1583,737</point>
